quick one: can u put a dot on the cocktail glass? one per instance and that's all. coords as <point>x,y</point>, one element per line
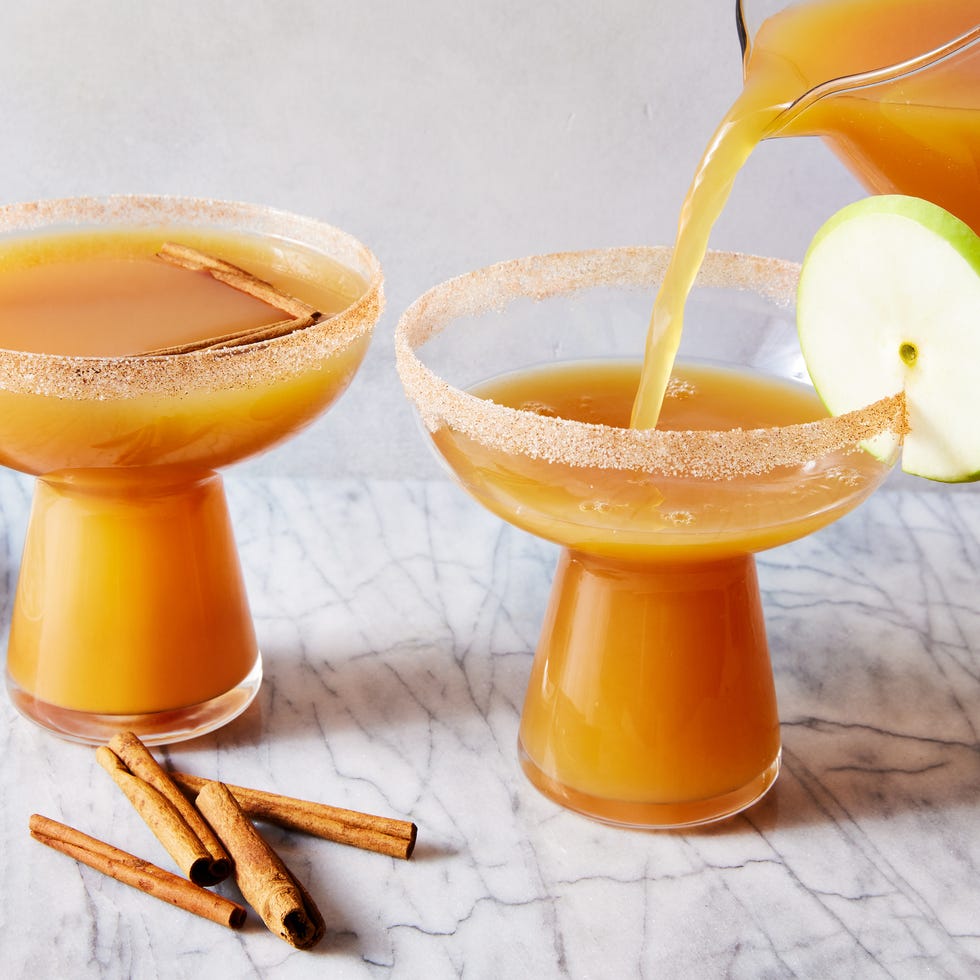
<point>130,609</point>
<point>903,115</point>
<point>651,699</point>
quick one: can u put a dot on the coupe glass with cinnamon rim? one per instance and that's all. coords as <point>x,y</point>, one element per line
<point>130,610</point>
<point>651,699</point>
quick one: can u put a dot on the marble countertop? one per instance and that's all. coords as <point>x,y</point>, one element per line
<point>396,621</point>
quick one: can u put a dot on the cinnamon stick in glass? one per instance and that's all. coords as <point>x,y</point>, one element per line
<point>240,337</point>
<point>140,762</point>
<point>385,835</point>
<point>137,873</point>
<point>163,818</point>
<point>196,261</point>
<point>264,881</point>
<point>301,313</point>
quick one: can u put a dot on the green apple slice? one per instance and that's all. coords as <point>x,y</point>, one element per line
<point>889,300</point>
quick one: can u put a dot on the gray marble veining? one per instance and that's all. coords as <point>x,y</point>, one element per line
<point>397,621</point>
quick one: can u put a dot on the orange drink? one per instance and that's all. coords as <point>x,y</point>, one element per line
<point>673,551</point>
<point>102,297</point>
<point>632,516</point>
<point>131,609</point>
<point>650,701</point>
<point>158,574</point>
<point>918,134</point>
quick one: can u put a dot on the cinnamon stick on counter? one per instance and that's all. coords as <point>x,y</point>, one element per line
<point>134,871</point>
<point>384,835</point>
<point>140,762</point>
<point>163,818</point>
<point>264,881</point>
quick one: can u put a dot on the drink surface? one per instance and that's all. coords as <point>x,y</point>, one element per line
<point>106,294</point>
<point>635,515</point>
<point>919,135</point>
<point>103,294</point>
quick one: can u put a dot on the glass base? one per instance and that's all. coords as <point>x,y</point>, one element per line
<point>651,700</point>
<point>652,816</point>
<point>130,604</point>
<point>155,728</point>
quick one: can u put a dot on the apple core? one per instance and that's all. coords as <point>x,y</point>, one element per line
<point>909,353</point>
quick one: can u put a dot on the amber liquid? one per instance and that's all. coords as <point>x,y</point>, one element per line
<point>130,599</point>
<point>919,135</point>
<point>103,294</point>
<point>640,516</point>
<point>651,699</point>
<point>129,603</point>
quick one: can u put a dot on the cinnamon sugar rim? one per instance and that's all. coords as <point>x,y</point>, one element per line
<point>698,453</point>
<point>250,365</point>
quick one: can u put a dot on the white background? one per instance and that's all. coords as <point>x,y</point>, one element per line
<point>445,134</point>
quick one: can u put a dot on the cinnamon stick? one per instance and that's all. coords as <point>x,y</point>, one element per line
<point>239,338</point>
<point>301,313</point>
<point>196,261</point>
<point>137,873</point>
<point>385,835</point>
<point>140,762</point>
<point>264,881</point>
<point>163,818</point>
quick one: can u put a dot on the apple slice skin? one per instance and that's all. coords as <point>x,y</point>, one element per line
<point>889,299</point>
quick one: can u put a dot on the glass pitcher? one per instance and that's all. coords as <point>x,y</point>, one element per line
<point>892,86</point>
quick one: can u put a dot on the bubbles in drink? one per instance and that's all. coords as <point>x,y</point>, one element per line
<point>844,475</point>
<point>538,408</point>
<point>679,388</point>
<point>604,507</point>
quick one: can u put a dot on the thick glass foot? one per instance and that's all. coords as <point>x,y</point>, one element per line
<point>130,607</point>
<point>652,816</point>
<point>651,700</point>
<point>154,728</point>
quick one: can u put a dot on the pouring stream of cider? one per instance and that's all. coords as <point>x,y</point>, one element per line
<point>919,135</point>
